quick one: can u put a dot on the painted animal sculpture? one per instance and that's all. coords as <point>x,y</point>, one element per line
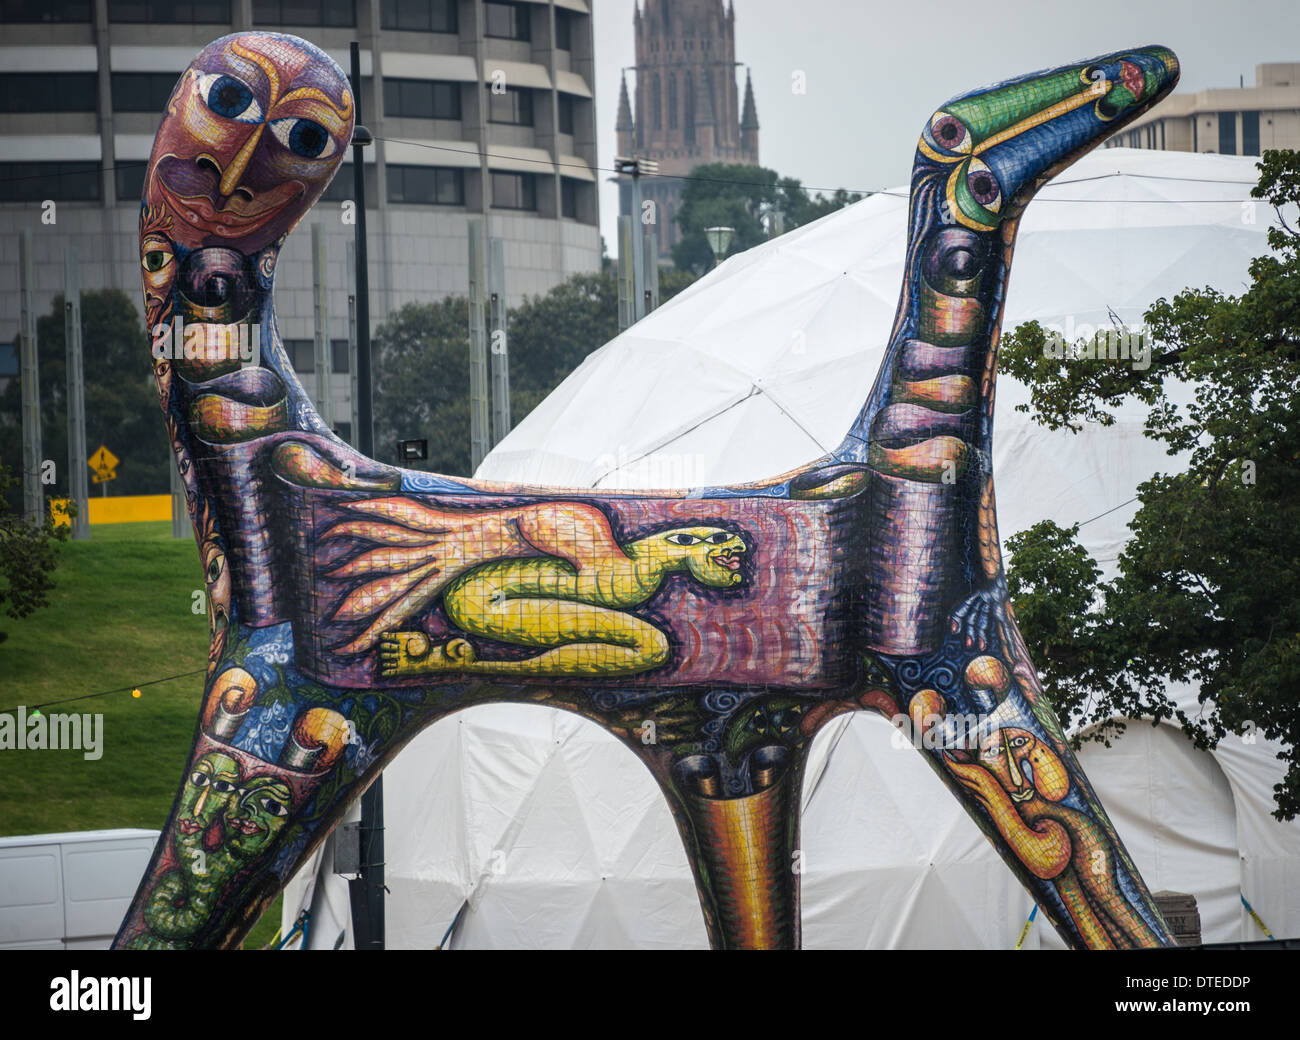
<point>712,630</point>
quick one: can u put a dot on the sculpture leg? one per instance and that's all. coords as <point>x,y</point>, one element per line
<point>743,851</point>
<point>1011,767</point>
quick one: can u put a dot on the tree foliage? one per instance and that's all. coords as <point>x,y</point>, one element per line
<point>121,400</point>
<point>422,361</point>
<point>1206,589</point>
<point>736,196</point>
<point>28,555</point>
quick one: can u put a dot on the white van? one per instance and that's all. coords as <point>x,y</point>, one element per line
<point>69,891</point>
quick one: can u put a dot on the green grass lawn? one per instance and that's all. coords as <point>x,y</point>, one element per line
<point>120,616</point>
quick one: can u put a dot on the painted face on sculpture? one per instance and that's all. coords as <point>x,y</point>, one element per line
<point>254,130</point>
<point>216,573</point>
<point>263,807</point>
<point>1024,766</point>
<point>208,793</point>
<point>1001,141</point>
<point>712,555</point>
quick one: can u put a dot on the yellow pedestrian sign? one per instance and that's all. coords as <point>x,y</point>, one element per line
<point>104,463</point>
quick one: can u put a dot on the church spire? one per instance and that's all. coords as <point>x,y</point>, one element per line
<point>624,126</point>
<point>749,122</point>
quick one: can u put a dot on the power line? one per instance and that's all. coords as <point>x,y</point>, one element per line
<point>863,192</point>
<point>105,693</point>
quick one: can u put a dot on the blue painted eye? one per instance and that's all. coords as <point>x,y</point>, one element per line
<point>304,137</point>
<point>229,98</point>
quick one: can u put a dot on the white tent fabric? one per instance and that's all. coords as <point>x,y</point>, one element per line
<point>556,836</point>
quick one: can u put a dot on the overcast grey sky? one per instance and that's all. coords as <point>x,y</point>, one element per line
<point>875,71</point>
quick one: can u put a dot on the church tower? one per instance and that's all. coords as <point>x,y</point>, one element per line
<point>688,110</point>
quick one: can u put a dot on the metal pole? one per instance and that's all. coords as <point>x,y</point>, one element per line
<point>638,260</point>
<point>30,382</point>
<point>500,344</point>
<point>367,892</point>
<point>479,432</point>
<point>78,485</point>
<point>626,280</point>
<point>321,314</point>
<point>365,422</point>
<point>351,262</point>
<point>650,261</point>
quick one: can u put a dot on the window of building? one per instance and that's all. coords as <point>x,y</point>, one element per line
<point>1250,133</point>
<point>49,92</point>
<point>142,91</point>
<point>302,355</point>
<point>1227,133</point>
<point>419,15</point>
<point>672,101</point>
<point>340,357</point>
<point>344,431</point>
<point>421,99</point>
<point>565,108</point>
<point>426,185</point>
<point>128,180</point>
<point>514,191</point>
<point>170,12</point>
<point>34,181</point>
<point>514,105</point>
<point>563,30</point>
<point>19,11</point>
<point>657,102</point>
<point>342,187</point>
<point>304,12</point>
<point>568,197</point>
<point>506,21</point>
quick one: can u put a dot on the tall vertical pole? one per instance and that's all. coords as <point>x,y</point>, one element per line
<point>78,486</point>
<point>30,382</point>
<point>479,432</point>
<point>626,278</point>
<point>638,258</point>
<point>500,342</point>
<point>351,262</point>
<point>365,422</point>
<point>367,892</point>
<point>650,263</point>
<point>321,315</point>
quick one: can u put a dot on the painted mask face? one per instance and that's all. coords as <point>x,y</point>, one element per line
<point>216,573</point>
<point>1024,765</point>
<point>254,130</point>
<point>263,807</point>
<point>159,265</point>
<point>712,555</point>
<point>208,794</point>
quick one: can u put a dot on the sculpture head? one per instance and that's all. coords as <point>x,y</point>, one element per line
<point>711,554</point>
<point>253,132</point>
<point>1001,143</point>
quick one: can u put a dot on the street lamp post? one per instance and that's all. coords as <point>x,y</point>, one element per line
<point>636,167</point>
<point>719,241</point>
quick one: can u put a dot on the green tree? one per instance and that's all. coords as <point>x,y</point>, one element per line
<point>1206,590</point>
<point>421,383</point>
<point>121,399</point>
<point>422,363</point>
<point>736,196</point>
<point>28,555</point>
